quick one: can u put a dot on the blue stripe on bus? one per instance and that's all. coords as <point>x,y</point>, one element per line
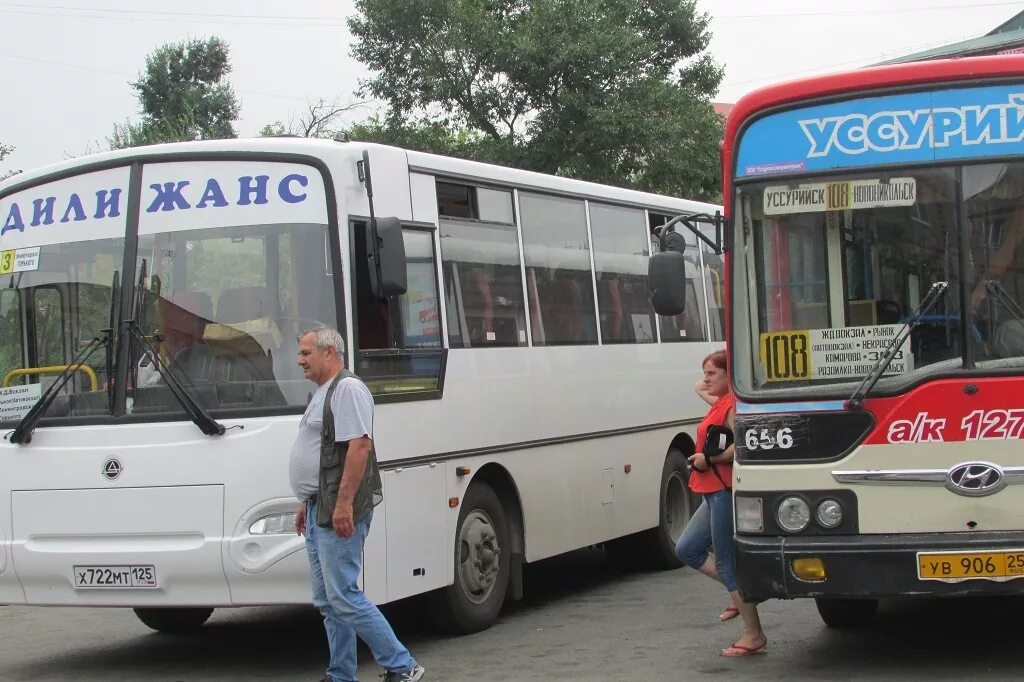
<point>770,408</point>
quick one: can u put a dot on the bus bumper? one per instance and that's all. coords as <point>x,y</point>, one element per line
<point>866,566</point>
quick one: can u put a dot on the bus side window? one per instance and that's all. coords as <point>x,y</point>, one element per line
<point>620,258</point>
<point>559,276</point>
<point>399,339</point>
<point>690,325</point>
<point>407,321</point>
<point>480,264</point>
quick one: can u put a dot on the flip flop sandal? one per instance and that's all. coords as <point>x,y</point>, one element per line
<point>729,613</point>
<point>737,650</point>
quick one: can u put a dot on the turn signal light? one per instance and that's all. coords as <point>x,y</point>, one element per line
<point>453,502</point>
<point>810,569</point>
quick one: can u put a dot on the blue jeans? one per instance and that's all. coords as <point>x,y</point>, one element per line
<point>335,564</point>
<point>711,527</point>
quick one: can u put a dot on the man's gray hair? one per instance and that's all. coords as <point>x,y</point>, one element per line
<point>326,337</point>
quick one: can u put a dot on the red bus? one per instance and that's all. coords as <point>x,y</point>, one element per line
<point>874,222</point>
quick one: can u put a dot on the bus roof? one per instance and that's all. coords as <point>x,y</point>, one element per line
<point>417,161</point>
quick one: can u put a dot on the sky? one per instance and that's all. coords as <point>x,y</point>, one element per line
<point>65,65</point>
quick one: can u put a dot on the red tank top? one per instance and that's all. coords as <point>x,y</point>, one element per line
<point>706,481</point>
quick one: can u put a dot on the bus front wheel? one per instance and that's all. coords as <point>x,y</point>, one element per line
<point>482,561</point>
<point>846,613</point>
<point>174,621</point>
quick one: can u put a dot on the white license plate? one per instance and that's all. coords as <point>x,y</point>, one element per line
<point>106,577</point>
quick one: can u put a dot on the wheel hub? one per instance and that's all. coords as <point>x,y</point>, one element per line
<point>479,554</point>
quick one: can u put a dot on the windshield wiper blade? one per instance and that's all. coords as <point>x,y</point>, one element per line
<point>207,424</point>
<point>995,288</point>
<point>195,412</point>
<point>856,401</point>
<point>22,434</point>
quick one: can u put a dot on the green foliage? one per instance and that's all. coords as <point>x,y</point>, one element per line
<point>274,129</point>
<point>427,136</point>
<point>183,95</point>
<point>614,91</point>
<point>5,151</point>
<point>10,331</point>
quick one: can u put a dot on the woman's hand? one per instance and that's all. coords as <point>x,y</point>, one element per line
<point>701,389</point>
<point>698,461</point>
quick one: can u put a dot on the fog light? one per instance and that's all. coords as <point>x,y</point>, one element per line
<point>793,514</point>
<point>275,524</point>
<point>829,513</point>
<point>811,569</point>
<point>749,515</point>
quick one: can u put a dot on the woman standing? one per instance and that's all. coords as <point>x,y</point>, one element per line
<point>711,526</point>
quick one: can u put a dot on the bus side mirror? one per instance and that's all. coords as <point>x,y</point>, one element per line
<point>666,280</point>
<point>388,274</point>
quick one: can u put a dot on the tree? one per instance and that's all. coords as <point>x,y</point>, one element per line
<point>315,122</point>
<point>614,91</point>
<point>183,95</point>
<point>424,136</point>
<point>5,151</point>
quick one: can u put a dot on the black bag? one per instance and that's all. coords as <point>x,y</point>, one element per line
<point>716,441</point>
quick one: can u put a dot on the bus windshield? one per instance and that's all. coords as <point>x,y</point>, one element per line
<point>205,283</point>
<point>55,299</point>
<point>832,269</point>
<point>222,308</point>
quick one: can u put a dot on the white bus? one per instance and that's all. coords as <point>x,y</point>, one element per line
<point>529,401</point>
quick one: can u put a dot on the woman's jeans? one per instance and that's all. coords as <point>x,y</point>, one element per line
<point>335,564</point>
<point>711,527</point>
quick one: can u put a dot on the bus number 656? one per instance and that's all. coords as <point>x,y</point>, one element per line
<point>764,440</point>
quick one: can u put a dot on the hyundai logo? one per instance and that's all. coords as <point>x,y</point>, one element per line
<point>975,479</point>
<point>112,468</point>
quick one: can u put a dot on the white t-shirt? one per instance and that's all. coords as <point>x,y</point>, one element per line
<point>352,406</point>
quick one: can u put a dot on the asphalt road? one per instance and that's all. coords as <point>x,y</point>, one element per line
<point>581,620</point>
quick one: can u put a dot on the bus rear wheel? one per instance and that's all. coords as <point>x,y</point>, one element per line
<point>482,565</point>
<point>846,613</point>
<point>173,621</point>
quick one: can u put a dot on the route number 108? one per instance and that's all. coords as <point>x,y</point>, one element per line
<point>785,356</point>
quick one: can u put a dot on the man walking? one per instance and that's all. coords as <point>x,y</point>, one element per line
<point>333,471</point>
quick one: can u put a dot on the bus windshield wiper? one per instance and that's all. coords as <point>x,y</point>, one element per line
<point>22,434</point>
<point>856,401</point>
<point>999,293</point>
<point>207,424</point>
<point>195,412</point>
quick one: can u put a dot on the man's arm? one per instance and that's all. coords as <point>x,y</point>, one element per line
<point>351,477</point>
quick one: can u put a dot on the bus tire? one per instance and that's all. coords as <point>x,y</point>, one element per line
<point>846,613</point>
<point>173,621</point>
<point>483,550</point>
<point>656,548</point>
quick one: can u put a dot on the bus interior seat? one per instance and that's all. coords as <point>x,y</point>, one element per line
<point>563,316</point>
<point>183,317</point>
<point>889,312</point>
<point>1008,340</point>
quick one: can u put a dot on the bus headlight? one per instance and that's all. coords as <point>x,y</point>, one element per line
<point>275,524</point>
<point>793,514</point>
<point>829,513</point>
<point>749,515</point>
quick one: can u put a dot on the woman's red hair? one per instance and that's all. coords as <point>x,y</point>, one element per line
<point>719,359</point>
